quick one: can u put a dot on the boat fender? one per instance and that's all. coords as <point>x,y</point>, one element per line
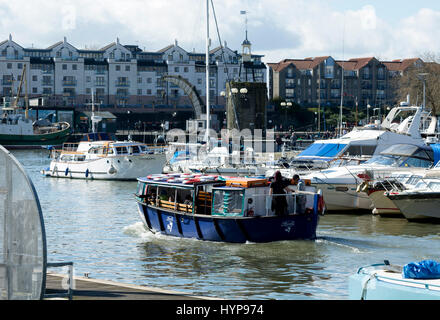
<point>66,172</point>
<point>112,170</point>
<point>321,205</point>
<point>87,173</point>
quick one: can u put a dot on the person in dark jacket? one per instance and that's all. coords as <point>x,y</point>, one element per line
<point>278,189</point>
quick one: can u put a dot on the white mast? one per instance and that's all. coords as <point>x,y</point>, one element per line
<point>93,112</point>
<point>207,74</point>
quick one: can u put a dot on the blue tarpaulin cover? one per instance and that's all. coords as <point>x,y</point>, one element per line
<point>329,150</point>
<point>436,149</point>
<point>426,269</point>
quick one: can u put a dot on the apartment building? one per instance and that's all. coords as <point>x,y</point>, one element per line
<point>123,76</point>
<point>319,80</point>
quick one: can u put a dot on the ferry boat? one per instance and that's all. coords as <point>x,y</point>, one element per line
<point>387,282</point>
<point>223,209</point>
<point>99,157</point>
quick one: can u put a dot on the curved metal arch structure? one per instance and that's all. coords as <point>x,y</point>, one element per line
<point>23,255</point>
<point>190,91</point>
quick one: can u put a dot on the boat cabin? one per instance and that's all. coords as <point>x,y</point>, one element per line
<point>216,195</point>
<point>183,193</point>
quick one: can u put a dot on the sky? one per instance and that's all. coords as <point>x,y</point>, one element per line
<point>277,29</point>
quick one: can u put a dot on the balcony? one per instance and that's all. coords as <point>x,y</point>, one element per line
<point>119,83</point>
<point>100,84</point>
<point>69,83</point>
<point>47,83</point>
<point>7,82</point>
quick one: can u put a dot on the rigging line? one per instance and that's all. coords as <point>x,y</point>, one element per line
<point>220,41</point>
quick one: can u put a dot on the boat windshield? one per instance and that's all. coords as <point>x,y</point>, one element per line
<point>323,150</point>
<point>228,202</point>
<point>398,161</point>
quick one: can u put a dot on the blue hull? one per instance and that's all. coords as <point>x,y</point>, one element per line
<point>229,229</point>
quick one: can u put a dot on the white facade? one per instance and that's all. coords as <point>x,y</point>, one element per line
<point>120,76</point>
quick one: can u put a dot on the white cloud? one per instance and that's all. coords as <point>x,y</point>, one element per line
<point>277,28</point>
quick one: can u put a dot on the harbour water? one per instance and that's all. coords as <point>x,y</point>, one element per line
<point>95,224</point>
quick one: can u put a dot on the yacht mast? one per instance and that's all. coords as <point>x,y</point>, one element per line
<point>207,74</point>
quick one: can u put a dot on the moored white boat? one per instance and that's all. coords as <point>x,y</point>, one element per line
<point>98,157</point>
<point>385,282</point>
<point>420,202</point>
<point>375,189</point>
<point>339,184</point>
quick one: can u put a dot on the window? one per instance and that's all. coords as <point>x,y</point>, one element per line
<point>88,79</point>
<point>34,90</point>
<point>185,69</point>
<point>127,68</point>
<point>139,80</point>
<point>88,91</point>
<point>149,91</point>
<point>64,66</point>
<point>34,78</point>
<point>20,66</point>
<point>118,68</point>
<point>139,92</point>
<point>9,65</point>
<point>74,67</point>
<point>176,69</point>
<point>149,80</point>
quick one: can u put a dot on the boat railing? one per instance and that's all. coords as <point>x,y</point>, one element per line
<point>408,282</point>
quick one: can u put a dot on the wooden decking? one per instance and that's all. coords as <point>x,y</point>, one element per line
<point>93,289</point>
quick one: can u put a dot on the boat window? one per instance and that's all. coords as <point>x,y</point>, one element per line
<point>416,162</point>
<point>134,149</point>
<point>434,186</point>
<point>228,202</point>
<point>421,185</point>
<point>80,157</point>
<point>413,180</point>
<point>358,150</point>
<point>387,160</point>
<point>322,150</point>
<point>121,150</point>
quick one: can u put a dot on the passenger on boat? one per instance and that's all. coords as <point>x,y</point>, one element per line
<point>278,189</point>
<point>300,198</point>
<point>163,195</point>
<point>188,200</point>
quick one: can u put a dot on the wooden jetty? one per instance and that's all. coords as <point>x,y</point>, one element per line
<point>94,289</point>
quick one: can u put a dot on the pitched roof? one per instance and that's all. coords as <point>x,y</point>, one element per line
<point>55,45</point>
<point>400,65</point>
<point>108,46</point>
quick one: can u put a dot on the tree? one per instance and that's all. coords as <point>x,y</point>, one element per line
<point>412,83</point>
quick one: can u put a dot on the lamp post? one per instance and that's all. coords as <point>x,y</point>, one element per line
<point>286,106</point>
<point>368,113</point>
<point>422,76</point>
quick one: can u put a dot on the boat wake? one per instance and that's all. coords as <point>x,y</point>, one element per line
<point>350,244</point>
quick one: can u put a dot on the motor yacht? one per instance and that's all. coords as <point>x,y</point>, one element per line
<point>98,156</point>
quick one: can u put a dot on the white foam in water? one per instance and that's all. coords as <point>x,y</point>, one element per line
<point>138,230</point>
